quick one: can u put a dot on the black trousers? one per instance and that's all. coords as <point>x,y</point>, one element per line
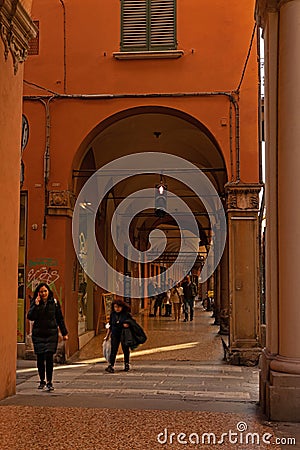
<point>42,360</point>
<point>168,310</point>
<point>115,342</point>
<point>157,306</point>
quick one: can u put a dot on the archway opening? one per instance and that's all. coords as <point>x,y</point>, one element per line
<point>156,130</point>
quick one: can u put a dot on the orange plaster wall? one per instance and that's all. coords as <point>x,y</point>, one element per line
<point>249,156</point>
<point>10,140</point>
<point>214,37</point>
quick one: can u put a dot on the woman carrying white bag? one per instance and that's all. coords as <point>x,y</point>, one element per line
<point>117,322</point>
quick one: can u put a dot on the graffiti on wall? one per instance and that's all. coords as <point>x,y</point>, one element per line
<point>42,272</point>
<point>42,262</point>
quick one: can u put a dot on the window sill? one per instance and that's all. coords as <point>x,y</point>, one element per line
<point>161,54</point>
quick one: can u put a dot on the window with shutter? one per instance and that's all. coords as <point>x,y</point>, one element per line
<point>148,25</point>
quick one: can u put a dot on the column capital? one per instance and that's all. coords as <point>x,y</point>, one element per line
<point>16,30</point>
<point>61,203</point>
<point>283,2</point>
<point>243,196</point>
<point>262,8</point>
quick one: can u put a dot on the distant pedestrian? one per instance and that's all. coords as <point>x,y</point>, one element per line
<point>167,303</point>
<point>176,301</point>
<point>46,314</point>
<point>189,292</point>
<point>158,303</point>
<point>119,316</point>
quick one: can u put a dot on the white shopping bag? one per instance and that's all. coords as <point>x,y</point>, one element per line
<point>106,349</point>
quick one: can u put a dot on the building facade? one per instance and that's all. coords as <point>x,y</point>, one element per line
<point>16,30</point>
<point>107,80</point>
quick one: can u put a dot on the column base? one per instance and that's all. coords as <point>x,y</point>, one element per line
<point>217,319</point>
<point>244,357</point>
<point>224,322</point>
<point>279,392</point>
<point>29,352</point>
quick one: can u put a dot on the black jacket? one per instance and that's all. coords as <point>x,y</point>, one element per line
<point>116,322</point>
<point>134,335</point>
<point>189,290</point>
<point>46,318</point>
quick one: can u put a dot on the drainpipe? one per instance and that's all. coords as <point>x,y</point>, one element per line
<point>237,137</point>
<point>47,147</point>
<point>230,142</point>
<point>65,46</point>
<point>46,161</point>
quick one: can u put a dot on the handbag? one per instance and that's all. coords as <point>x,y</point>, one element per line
<point>106,346</point>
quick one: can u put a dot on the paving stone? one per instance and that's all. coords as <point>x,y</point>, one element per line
<point>182,386</point>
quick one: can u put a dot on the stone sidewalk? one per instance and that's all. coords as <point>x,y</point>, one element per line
<point>177,384</point>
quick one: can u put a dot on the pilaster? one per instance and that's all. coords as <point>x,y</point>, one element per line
<point>262,8</point>
<point>242,213</point>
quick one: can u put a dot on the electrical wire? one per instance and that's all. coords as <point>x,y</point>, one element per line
<point>247,59</point>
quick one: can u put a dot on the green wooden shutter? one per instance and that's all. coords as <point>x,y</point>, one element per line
<point>162,24</point>
<point>134,33</point>
<point>148,25</point>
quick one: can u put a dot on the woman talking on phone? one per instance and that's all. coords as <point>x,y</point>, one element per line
<point>46,314</point>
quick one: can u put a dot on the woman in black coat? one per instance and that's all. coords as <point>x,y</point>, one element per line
<point>118,321</point>
<point>46,314</point>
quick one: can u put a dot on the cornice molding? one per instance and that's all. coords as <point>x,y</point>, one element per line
<point>16,30</point>
<point>262,8</point>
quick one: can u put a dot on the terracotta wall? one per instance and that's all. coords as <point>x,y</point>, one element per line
<point>77,54</point>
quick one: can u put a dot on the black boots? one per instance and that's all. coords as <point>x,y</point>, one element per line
<point>110,369</point>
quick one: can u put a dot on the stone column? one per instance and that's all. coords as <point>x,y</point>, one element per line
<point>210,288</point>
<point>280,377</point>
<point>267,17</point>
<point>224,288</point>
<point>243,204</point>
<point>16,29</point>
<point>217,297</point>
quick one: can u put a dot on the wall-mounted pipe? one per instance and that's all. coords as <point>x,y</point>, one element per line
<point>65,45</point>
<point>237,137</point>
<point>230,143</point>
<point>46,161</point>
<point>230,95</point>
